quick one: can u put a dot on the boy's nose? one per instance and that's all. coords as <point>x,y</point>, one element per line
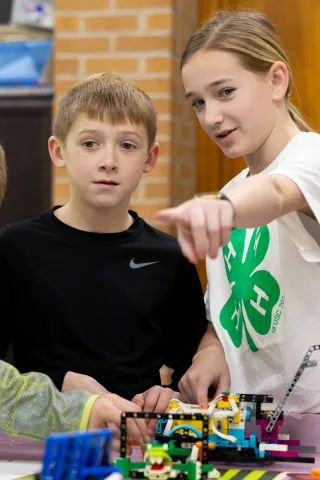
<point>108,163</point>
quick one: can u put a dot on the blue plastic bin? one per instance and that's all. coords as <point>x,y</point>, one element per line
<point>22,63</point>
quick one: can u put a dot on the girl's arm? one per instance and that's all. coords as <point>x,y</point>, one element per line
<point>260,199</point>
<point>204,225</point>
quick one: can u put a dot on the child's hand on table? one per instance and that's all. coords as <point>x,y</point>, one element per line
<point>209,370</point>
<point>156,399</point>
<point>106,412</point>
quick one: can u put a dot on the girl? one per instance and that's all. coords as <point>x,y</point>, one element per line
<point>263,283</point>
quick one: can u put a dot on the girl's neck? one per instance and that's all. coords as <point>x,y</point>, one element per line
<point>282,133</point>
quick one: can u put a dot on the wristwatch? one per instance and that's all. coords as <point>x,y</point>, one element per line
<point>215,196</point>
<point>212,196</point>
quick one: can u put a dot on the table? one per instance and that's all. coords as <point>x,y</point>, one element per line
<point>10,469</point>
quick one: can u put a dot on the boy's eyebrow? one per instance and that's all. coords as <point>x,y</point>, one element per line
<point>94,131</point>
<point>215,83</point>
<point>88,130</point>
<point>132,132</point>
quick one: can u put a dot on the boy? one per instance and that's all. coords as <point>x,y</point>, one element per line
<point>31,406</point>
<point>98,299</point>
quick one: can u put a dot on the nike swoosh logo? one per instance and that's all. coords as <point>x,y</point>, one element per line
<point>140,265</point>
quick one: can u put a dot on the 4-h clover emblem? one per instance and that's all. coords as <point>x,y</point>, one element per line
<point>254,292</point>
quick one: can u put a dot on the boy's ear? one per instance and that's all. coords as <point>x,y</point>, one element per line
<point>55,151</point>
<point>152,159</point>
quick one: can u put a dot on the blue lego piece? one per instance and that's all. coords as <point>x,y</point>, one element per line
<point>252,442</point>
<point>185,427</point>
<point>161,426</point>
<point>248,414</point>
<point>78,456</point>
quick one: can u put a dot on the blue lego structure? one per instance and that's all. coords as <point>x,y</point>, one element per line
<point>78,456</point>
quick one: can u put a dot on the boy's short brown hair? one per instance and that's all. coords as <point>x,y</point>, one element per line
<point>106,96</point>
<point>3,174</point>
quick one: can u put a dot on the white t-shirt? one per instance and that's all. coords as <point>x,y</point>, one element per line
<point>263,293</point>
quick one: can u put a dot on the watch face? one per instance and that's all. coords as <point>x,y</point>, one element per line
<point>208,195</point>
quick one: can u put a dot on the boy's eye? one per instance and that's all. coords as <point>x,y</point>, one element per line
<point>128,146</point>
<point>89,144</point>
<point>227,92</point>
<point>197,103</point>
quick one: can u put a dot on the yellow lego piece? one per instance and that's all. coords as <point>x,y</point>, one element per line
<point>236,418</point>
<point>224,426</point>
<point>172,404</point>
<point>236,398</point>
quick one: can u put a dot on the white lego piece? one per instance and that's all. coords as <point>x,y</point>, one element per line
<point>272,447</point>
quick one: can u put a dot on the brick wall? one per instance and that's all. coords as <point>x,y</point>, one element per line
<point>141,40</point>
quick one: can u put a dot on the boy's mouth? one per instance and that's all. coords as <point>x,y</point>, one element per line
<point>106,182</point>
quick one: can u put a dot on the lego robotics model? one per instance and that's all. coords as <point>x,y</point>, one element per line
<point>228,438</point>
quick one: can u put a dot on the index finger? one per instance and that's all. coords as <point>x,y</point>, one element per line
<point>151,399</point>
<point>198,226</point>
<point>202,395</point>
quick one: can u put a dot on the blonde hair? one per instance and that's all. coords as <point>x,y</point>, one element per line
<point>106,96</point>
<point>250,35</point>
<point>3,174</point>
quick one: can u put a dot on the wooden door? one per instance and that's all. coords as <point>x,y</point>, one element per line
<point>298,24</point>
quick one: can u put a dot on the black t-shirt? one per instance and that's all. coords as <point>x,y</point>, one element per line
<point>113,306</point>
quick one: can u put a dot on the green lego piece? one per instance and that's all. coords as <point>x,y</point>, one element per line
<point>124,464</point>
<point>192,470</point>
<point>207,467</point>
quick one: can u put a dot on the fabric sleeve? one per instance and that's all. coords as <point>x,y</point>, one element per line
<point>31,406</point>
<point>303,168</point>
<point>186,322</point>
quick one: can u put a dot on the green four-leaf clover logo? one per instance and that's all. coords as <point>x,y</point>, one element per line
<point>254,292</point>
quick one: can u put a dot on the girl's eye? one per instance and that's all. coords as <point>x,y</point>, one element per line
<point>128,146</point>
<point>90,144</point>
<point>197,103</point>
<point>227,92</point>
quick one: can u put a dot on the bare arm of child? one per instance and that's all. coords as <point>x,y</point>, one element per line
<point>209,371</point>
<point>78,381</point>
<point>204,225</point>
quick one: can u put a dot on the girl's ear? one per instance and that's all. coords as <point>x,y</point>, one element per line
<point>279,77</point>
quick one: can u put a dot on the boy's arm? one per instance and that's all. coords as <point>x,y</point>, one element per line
<point>186,321</point>
<point>78,381</point>
<point>66,381</point>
